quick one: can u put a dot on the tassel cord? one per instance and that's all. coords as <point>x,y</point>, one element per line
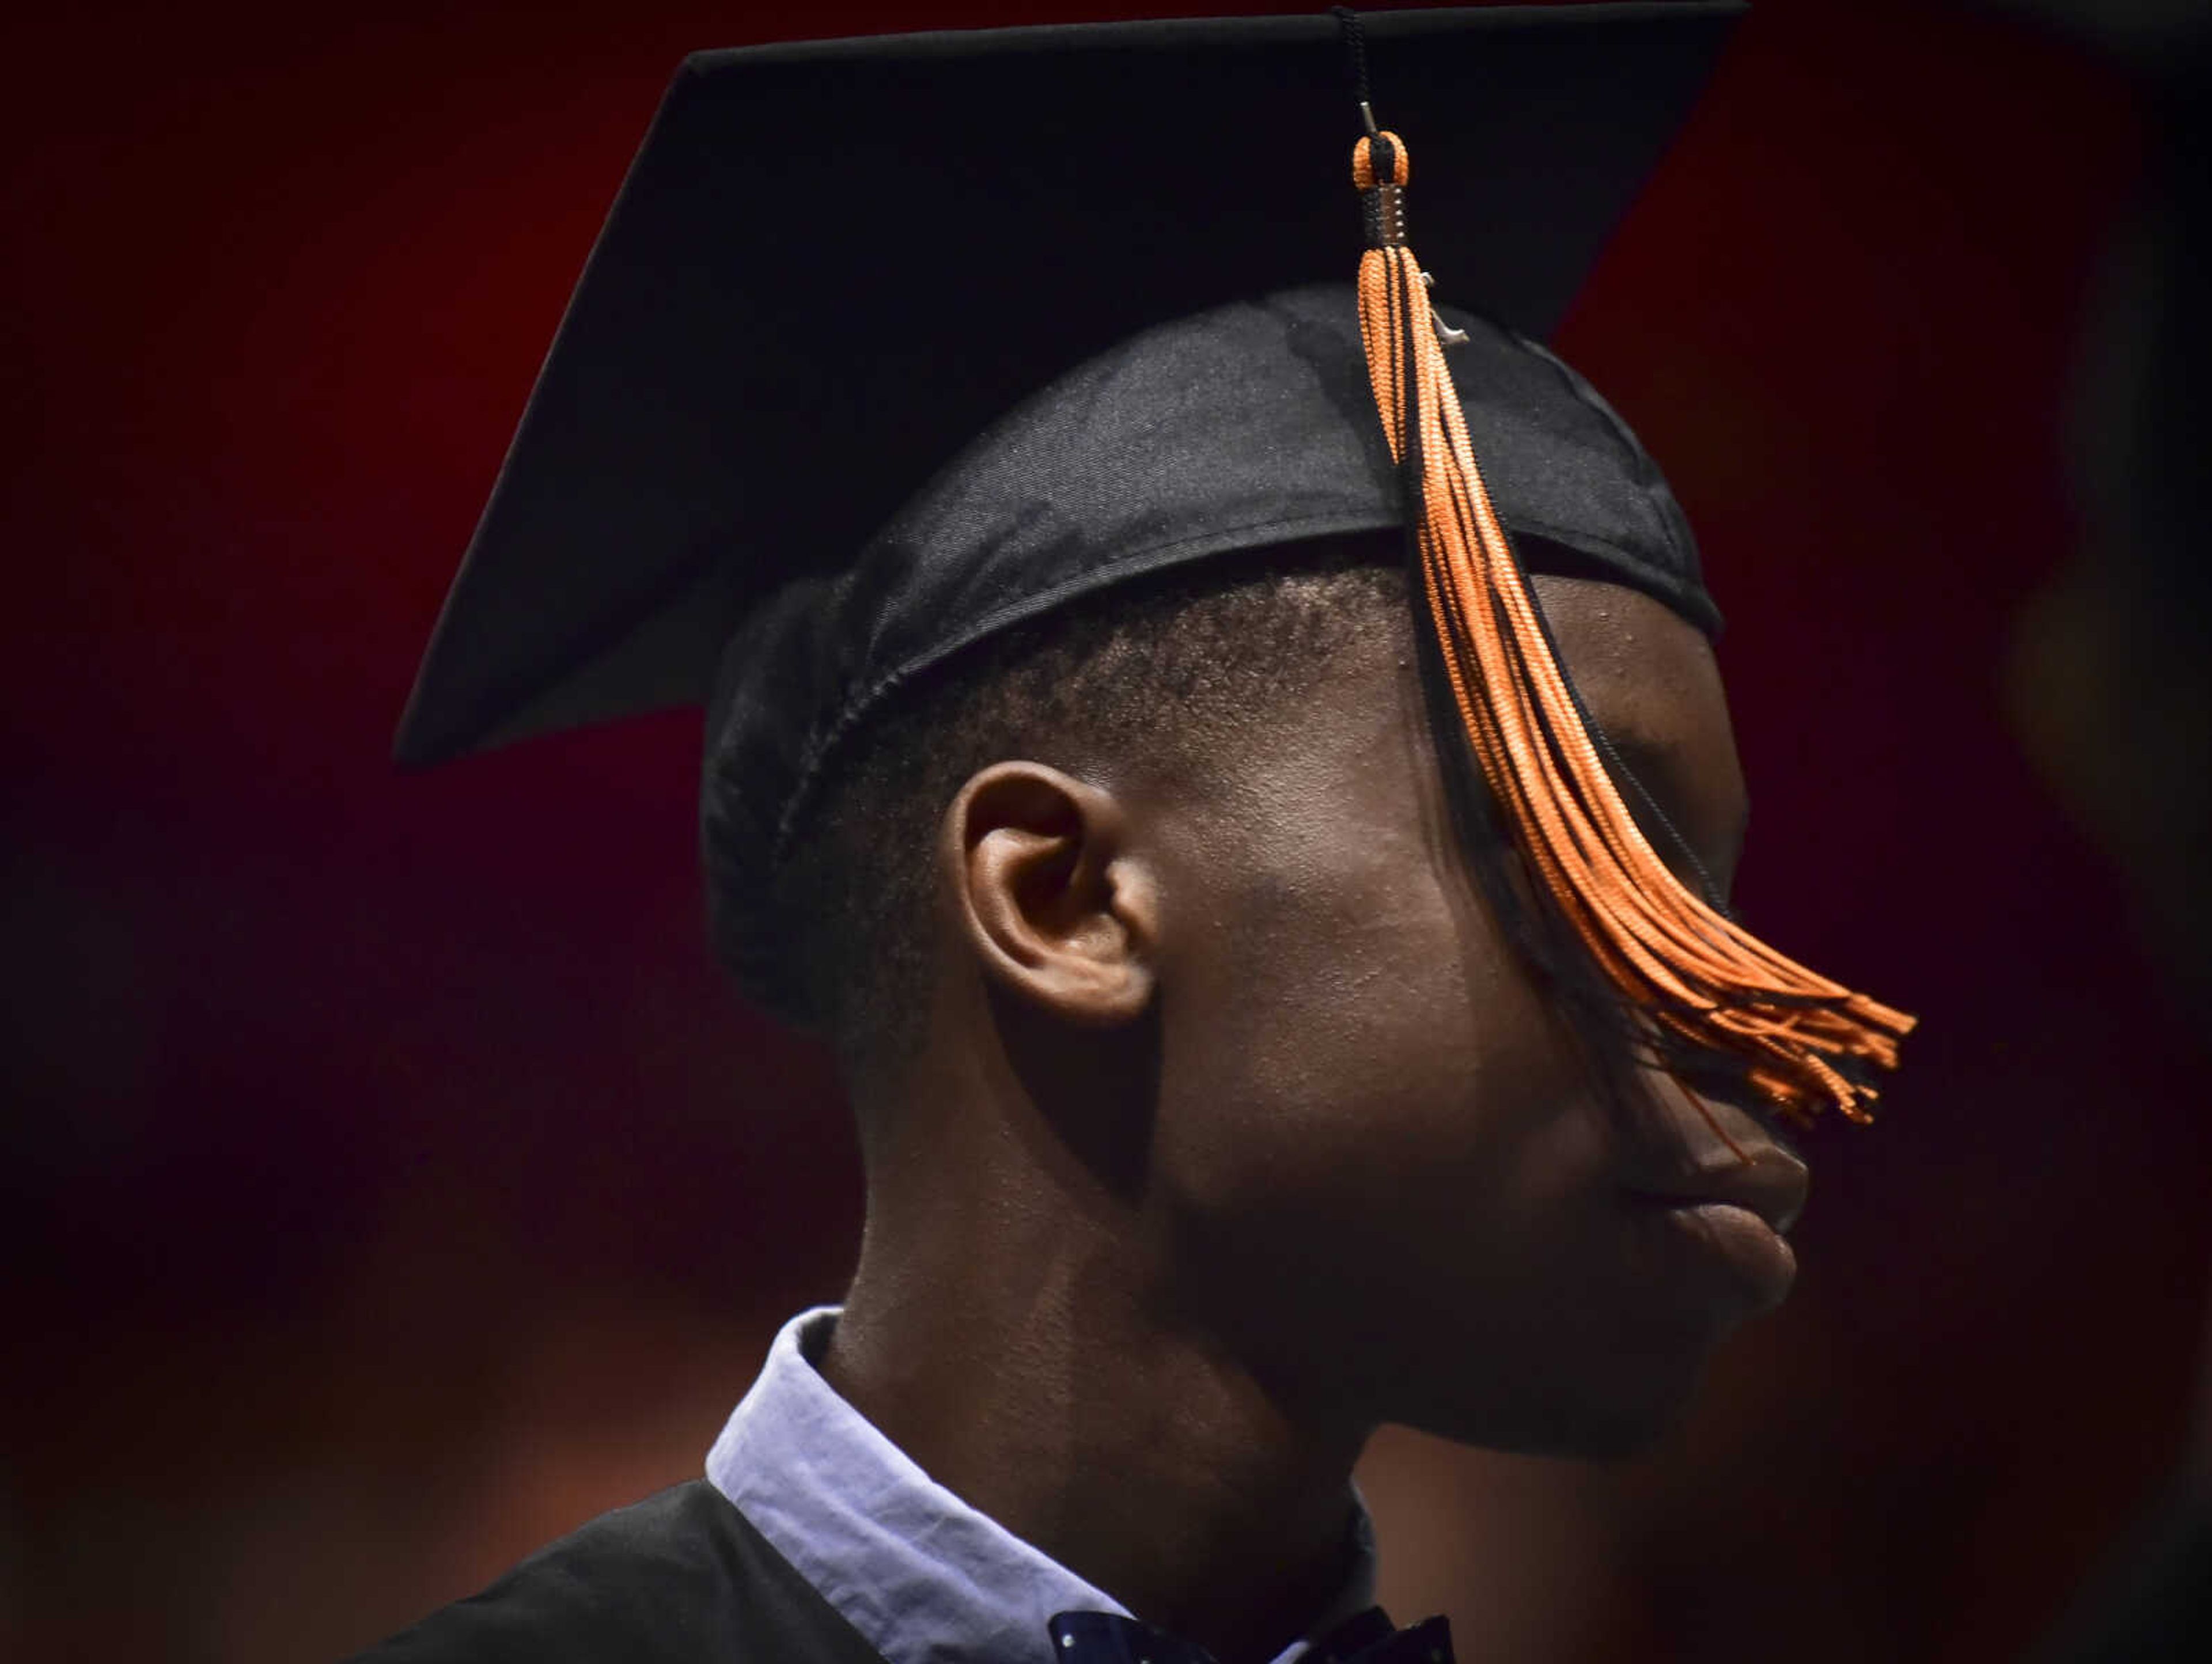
<point>1706,986</point>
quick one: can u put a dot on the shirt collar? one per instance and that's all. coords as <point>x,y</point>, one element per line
<point>925,1578</point>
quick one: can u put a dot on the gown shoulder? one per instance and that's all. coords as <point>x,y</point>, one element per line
<point>680,1578</point>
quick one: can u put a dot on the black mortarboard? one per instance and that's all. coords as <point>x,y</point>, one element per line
<point>833,265</point>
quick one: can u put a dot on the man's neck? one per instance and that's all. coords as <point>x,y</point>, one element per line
<point>1050,1397</point>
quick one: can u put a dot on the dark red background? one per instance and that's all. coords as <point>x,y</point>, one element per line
<point>389,1181</point>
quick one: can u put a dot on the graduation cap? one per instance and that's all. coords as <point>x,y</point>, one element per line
<point>751,471</point>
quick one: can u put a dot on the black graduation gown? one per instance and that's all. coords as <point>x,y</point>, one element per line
<point>681,1576</point>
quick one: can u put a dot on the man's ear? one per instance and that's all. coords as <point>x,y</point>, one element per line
<point>1056,910</point>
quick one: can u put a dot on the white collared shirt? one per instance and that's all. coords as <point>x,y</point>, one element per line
<point>925,1578</point>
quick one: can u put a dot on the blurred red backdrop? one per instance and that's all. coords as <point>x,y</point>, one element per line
<point>382,1199</point>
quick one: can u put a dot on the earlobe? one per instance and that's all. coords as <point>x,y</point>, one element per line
<point>1055,908</point>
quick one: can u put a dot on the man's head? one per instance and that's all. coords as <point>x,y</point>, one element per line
<point>1155,913</point>
<point>1102,825</point>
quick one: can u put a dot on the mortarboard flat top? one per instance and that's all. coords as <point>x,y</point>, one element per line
<point>833,263</point>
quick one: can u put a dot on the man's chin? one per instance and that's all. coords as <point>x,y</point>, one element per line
<point>1613,1420</point>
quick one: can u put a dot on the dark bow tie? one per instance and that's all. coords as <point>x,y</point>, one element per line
<point>1101,1637</point>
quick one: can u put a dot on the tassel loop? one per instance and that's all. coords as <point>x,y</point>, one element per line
<point>1380,158</point>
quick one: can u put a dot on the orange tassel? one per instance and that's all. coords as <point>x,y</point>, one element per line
<point>1705,985</point>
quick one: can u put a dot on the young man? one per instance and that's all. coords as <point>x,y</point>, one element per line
<point>1276,1001</point>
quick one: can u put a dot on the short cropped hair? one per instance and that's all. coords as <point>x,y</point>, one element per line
<point>1172,670</point>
